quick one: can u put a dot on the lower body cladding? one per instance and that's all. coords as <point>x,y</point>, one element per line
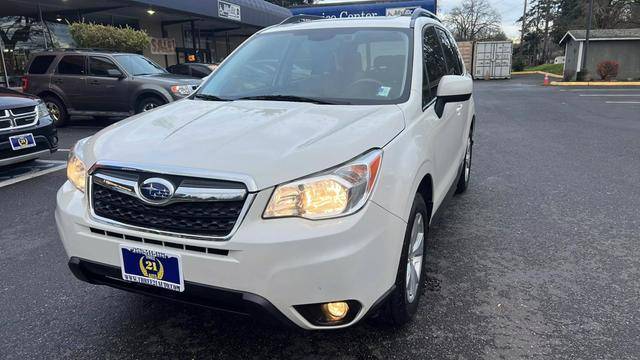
<point>299,270</point>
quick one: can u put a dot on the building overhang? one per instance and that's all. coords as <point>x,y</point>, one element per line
<point>252,13</point>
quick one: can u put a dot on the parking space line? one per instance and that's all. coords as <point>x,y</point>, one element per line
<point>32,175</point>
<point>601,89</point>
<point>622,102</point>
<point>599,95</point>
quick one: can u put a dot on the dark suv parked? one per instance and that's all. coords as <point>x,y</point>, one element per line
<point>101,84</point>
<point>26,130</point>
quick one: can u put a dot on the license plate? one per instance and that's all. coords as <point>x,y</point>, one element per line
<point>151,267</point>
<point>23,141</point>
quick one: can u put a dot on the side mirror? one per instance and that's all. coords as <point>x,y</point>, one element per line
<point>114,73</point>
<point>452,88</point>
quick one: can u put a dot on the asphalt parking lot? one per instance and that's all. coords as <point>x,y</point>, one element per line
<point>540,258</point>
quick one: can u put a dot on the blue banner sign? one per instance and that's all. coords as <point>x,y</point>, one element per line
<point>390,8</point>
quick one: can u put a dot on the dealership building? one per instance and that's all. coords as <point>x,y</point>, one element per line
<point>181,30</point>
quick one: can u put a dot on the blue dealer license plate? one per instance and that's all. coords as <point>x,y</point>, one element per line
<point>23,141</point>
<point>152,267</point>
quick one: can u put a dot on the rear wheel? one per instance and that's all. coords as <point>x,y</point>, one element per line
<point>465,174</point>
<point>148,103</point>
<point>57,110</point>
<point>402,304</point>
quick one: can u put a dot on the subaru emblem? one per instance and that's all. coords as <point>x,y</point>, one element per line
<point>156,190</point>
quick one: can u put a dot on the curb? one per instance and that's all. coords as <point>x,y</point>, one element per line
<point>537,72</point>
<point>595,83</point>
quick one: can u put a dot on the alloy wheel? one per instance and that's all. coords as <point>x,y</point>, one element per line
<point>149,106</point>
<point>414,258</point>
<point>467,161</point>
<point>54,111</point>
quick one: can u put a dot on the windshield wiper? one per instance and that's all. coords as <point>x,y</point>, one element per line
<point>209,97</point>
<point>291,98</point>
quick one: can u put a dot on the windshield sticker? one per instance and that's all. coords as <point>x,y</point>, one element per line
<point>384,91</point>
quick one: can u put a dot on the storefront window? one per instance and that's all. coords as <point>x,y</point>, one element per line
<point>21,36</point>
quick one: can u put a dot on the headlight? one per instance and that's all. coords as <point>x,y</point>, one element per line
<point>42,110</point>
<point>76,169</point>
<point>182,90</point>
<point>337,192</point>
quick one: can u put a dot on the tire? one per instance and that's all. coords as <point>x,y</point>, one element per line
<point>465,174</point>
<point>148,103</point>
<point>57,110</point>
<point>402,304</point>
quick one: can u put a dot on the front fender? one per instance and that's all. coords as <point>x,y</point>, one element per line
<point>405,163</point>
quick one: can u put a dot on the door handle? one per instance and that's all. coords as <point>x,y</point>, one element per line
<point>94,82</point>
<point>459,109</point>
<point>57,81</point>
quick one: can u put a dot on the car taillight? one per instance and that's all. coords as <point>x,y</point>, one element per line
<point>25,83</point>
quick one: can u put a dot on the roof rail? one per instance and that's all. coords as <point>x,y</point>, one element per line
<point>300,18</point>
<point>80,50</point>
<point>420,12</point>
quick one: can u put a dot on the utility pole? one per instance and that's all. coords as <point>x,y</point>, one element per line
<point>583,74</point>
<point>524,22</point>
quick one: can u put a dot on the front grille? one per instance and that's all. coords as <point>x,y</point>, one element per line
<point>18,117</point>
<point>201,218</point>
<point>22,110</point>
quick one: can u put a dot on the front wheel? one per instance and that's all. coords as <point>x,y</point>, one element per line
<point>148,103</point>
<point>57,110</point>
<point>402,304</point>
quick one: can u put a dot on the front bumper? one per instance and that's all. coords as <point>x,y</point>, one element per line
<point>285,262</point>
<point>45,135</point>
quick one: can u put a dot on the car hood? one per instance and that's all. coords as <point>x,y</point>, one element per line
<point>264,142</point>
<point>10,99</point>
<point>171,79</point>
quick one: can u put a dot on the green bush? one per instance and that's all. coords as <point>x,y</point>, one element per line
<point>111,38</point>
<point>518,64</point>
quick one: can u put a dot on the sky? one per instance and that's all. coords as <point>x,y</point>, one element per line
<point>510,10</point>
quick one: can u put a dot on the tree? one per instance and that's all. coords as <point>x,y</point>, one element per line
<point>614,14</point>
<point>473,20</point>
<point>108,37</point>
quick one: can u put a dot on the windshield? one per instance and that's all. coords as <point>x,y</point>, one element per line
<point>341,66</point>
<point>139,65</point>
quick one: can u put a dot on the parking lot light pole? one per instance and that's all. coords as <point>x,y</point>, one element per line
<point>583,74</point>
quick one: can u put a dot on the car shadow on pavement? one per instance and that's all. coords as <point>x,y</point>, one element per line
<point>161,328</point>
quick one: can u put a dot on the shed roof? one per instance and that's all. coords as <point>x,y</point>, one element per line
<point>603,34</point>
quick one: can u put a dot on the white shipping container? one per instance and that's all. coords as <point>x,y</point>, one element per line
<point>492,60</point>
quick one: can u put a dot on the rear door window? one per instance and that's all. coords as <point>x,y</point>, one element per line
<point>450,54</point>
<point>434,63</point>
<point>71,65</point>
<point>40,64</point>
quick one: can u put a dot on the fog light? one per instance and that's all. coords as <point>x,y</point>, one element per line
<point>335,311</point>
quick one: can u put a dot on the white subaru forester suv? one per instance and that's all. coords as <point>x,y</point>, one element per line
<point>298,181</point>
